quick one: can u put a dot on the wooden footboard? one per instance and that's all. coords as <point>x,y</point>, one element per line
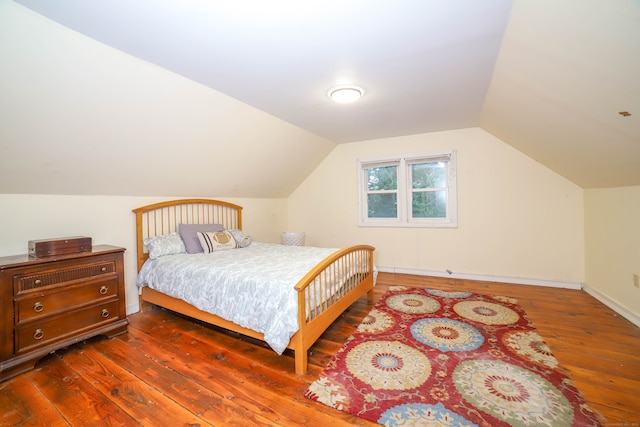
<point>350,272</point>
<point>323,293</point>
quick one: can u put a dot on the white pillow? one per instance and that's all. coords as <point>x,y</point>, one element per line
<point>216,241</point>
<point>241,240</point>
<point>168,244</point>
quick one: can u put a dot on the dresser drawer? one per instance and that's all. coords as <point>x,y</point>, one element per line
<point>64,299</point>
<point>36,334</point>
<point>41,280</point>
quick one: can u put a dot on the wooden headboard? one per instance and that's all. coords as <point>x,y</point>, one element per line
<point>163,218</point>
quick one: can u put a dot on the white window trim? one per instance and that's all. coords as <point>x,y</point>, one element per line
<point>404,191</point>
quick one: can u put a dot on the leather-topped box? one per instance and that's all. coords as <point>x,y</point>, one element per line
<point>61,246</point>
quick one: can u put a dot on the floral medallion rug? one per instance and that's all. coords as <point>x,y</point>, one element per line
<point>424,357</point>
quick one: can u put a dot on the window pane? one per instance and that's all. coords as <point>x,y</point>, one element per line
<point>383,205</point>
<point>385,178</point>
<point>429,175</point>
<point>429,204</point>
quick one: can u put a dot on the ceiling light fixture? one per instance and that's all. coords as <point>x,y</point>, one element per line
<point>345,93</point>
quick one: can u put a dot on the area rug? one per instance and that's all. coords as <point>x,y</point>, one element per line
<point>425,357</point>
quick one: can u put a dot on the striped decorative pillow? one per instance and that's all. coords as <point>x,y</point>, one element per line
<point>216,241</point>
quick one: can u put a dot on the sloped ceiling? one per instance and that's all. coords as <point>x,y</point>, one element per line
<point>548,77</point>
<point>566,71</point>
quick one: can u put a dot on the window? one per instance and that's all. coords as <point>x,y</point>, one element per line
<point>409,191</point>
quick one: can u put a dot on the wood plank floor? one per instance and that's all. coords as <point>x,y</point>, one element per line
<point>169,371</point>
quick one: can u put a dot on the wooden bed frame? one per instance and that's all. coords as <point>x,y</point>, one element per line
<point>163,218</point>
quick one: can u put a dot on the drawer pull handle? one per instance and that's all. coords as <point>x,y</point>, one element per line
<point>38,334</point>
<point>105,313</point>
<point>104,290</point>
<point>38,307</point>
<point>37,282</point>
<point>103,269</point>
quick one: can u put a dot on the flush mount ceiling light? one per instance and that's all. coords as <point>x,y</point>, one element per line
<point>345,93</point>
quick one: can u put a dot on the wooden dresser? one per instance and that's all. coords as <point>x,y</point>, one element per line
<point>49,303</point>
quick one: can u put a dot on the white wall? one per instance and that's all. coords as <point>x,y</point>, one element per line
<point>516,218</point>
<point>109,220</point>
<point>612,229</point>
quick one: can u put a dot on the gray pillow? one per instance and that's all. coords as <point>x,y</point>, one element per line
<point>241,240</point>
<point>169,244</point>
<point>189,234</point>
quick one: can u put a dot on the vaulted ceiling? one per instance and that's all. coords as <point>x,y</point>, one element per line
<point>551,78</point>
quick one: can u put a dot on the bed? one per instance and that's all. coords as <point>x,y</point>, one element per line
<point>317,290</point>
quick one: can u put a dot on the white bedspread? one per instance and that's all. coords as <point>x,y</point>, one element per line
<point>253,286</point>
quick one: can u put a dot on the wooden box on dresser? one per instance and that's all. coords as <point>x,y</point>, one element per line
<point>50,303</point>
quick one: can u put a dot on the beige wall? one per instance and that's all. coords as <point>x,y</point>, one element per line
<point>500,233</point>
<point>612,229</point>
<point>516,218</point>
<point>109,220</point>
<point>79,117</point>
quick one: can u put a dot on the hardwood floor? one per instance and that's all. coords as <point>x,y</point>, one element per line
<point>169,371</point>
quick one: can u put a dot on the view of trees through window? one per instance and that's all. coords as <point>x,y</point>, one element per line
<point>416,190</point>
<point>383,192</point>
<point>429,199</point>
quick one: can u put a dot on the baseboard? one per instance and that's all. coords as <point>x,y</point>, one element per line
<point>133,308</point>
<point>613,305</point>
<point>483,277</point>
